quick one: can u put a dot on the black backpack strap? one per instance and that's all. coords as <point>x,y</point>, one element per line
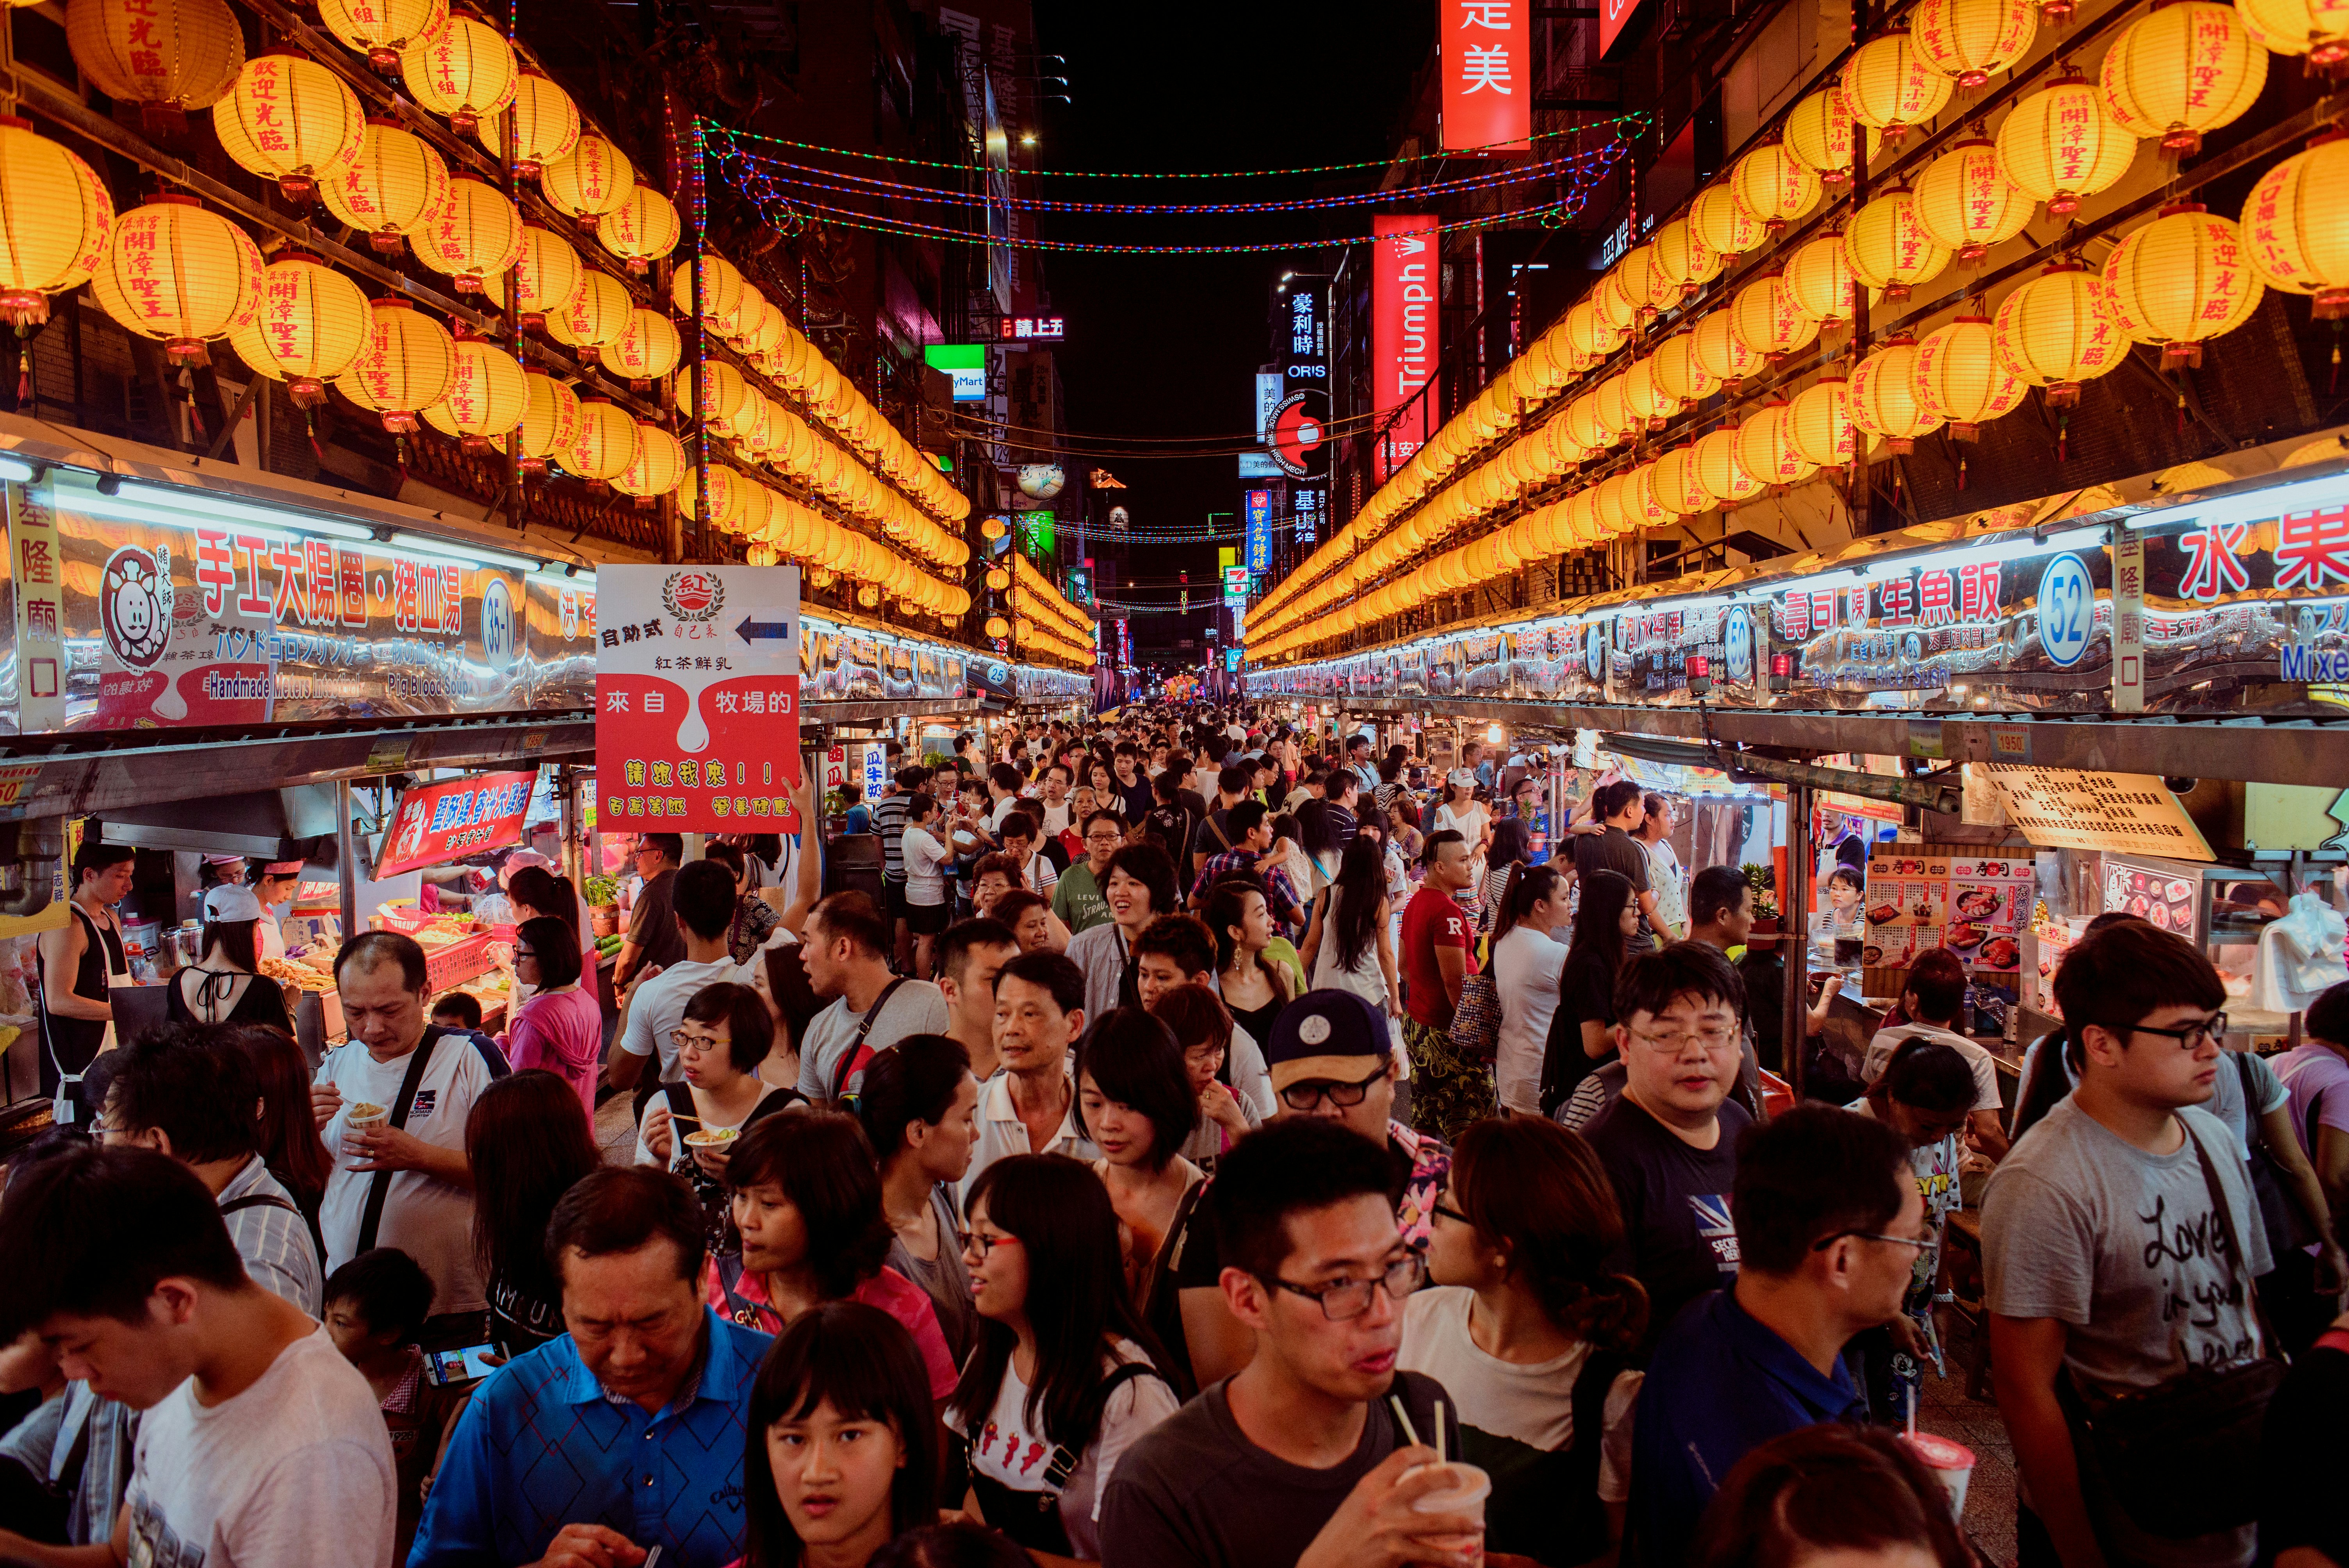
<point>2241,1260</point>
<point>1065,1462</point>
<point>873,1015</point>
<point>379,1186</point>
<point>257,1201</point>
<point>1599,1371</point>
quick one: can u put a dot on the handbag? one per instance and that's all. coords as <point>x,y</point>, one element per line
<point>1475,1029</point>
<point>2183,1459</point>
<point>2288,1229</point>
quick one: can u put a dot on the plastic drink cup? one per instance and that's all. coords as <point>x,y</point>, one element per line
<point>1952,1461</point>
<point>1469,1487</point>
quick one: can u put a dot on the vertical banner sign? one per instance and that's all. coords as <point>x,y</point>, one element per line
<point>1612,16</point>
<point>1487,55</point>
<point>1259,531</point>
<point>34,553</point>
<point>1403,333</point>
<point>456,818</point>
<point>698,698</point>
<point>1300,444</point>
<point>2128,622</point>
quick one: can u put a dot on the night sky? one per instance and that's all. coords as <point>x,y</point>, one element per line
<point>1162,346</point>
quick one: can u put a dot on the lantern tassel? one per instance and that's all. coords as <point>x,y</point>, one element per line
<point>2332,386</point>
<point>310,429</point>
<point>2063,432</point>
<point>1961,470</point>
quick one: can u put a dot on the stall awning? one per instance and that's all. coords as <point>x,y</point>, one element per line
<point>1934,794</point>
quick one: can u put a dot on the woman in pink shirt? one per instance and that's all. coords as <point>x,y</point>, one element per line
<point>560,1029</point>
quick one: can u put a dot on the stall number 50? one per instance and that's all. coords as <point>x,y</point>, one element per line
<point>2067,609</point>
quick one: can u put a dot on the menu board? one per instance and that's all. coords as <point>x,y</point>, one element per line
<point>2166,895</point>
<point>1976,903</point>
<point>2072,809</point>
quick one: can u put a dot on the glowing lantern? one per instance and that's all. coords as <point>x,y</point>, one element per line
<point>728,495</point>
<point>1581,521</point>
<point>1883,395</point>
<point>646,349</point>
<point>658,466</point>
<point>165,56</point>
<point>1592,337</point>
<point>1677,374</point>
<point>547,275</point>
<point>173,271</point>
<point>1773,186</point>
<point>1675,484</point>
<point>1766,316</point>
<point>2059,145</point>
<point>1818,424</point>
<point>543,122</point>
<point>597,315</point>
<point>550,421</point>
<point>1582,426</point>
<point>1718,470</point>
<point>728,395</point>
<point>1614,302</point>
<point>475,233</point>
<point>406,365</point>
<point>1646,397</point>
<point>606,442</point>
<point>1966,205</point>
<point>1959,380</point>
<point>462,72</point>
<point>1640,285</point>
<point>1967,40</point>
<point>643,229</point>
<point>1889,85</point>
<point>311,324</point>
<point>488,395</point>
<point>1722,222</point>
<point>2297,226</point>
<point>2317,28</point>
<point>383,29</point>
<point>1819,132</point>
<point>290,120</point>
<point>1607,501</point>
<point>2059,330</point>
<point>594,181</point>
<point>721,290</point>
<point>1720,352</point>
<point>2183,279</point>
<point>998,627</point>
<point>1612,407</point>
<point>1764,451</point>
<point>54,217</point>
<point>1818,279</point>
<point>1889,246</point>
<point>1682,260</point>
<point>2181,71</point>
<point>390,187</point>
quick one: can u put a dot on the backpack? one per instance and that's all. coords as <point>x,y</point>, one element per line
<point>1475,1031</point>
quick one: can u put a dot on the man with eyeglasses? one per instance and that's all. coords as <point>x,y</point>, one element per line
<point>1079,898</point>
<point>1299,1459</point>
<point>1830,1224</point>
<point>2120,1238</point>
<point>652,939</point>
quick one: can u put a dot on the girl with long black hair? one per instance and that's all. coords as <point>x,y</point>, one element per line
<point>1352,945</point>
<point>1527,961</point>
<point>528,1144</point>
<point>1581,1030</point>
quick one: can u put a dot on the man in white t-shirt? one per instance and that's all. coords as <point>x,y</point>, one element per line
<point>259,1444</point>
<point>846,951</point>
<point>426,1207</point>
<point>1934,998</point>
<point>703,900</point>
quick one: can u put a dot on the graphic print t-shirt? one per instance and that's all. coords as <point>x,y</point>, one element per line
<point>1679,1240</point>
<point>1006,1449</point>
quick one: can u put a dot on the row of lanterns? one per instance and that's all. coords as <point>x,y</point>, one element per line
<point>776,527</point>
<point>2176,284</point>
<point>1049,615</point>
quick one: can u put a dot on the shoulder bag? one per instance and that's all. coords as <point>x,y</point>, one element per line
<point>379,1186</point>
<point>2288,1229</point>
<point>852,1059</point>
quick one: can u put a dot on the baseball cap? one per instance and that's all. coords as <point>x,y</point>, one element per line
<point>231,902</point>
<point>1326,1037</point>
<point>1460,778</point>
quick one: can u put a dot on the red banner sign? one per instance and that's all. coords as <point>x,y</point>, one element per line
<point>1404,345</point>
<point>455,817</point>
<point>1488,77</point>
<point>1612,16</point>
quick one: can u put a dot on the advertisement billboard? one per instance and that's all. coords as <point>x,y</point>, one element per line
<point>1299,424</point>
<point>1258,465</point>
<point>1258,507</point>
<point>1236,585</point>
<point>454,818</point>
<point>964,363</point>
<point>1613,16</point>
<point>1488,79</point>
<point>1404,344</point>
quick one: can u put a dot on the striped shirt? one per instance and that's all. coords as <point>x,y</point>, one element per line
<point>274,1243</point>
<point>889,821</point>
<point>44,1443</point>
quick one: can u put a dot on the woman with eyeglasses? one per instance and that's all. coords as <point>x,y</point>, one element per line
<point>1531,1336</point>
<point>561,1026</point>
<point>1065,1378</point>
<point>690,1127</point>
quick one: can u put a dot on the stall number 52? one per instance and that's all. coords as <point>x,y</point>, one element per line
<point>2067,599</point>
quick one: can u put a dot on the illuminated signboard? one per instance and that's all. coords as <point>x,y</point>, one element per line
<point>1299,428</point>
<point>1486,48</point>
<point>1404,345</point>
<point>1258,465</point>
<point>1034,328</point>
<point>1236,584</point>
<point>1081,586</point>
<point>1612,16</point>
<point>964,363</point>
<point>1259,531</point>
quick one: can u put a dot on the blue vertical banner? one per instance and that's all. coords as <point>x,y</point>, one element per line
<point>1259,531</point>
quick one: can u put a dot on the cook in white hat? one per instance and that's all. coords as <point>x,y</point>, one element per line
<point>273,886</point>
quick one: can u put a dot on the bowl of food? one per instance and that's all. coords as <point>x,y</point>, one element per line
<point>711,1136</point>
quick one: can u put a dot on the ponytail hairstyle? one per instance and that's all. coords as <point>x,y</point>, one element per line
<point>1527,886</point>
<point>1536,1189</point>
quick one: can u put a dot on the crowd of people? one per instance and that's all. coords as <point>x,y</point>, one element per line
<point>1203,1154</point>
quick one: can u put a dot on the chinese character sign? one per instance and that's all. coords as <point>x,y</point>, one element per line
<point>698,698</point>
<point>1259,531</point>
<point>1403,333</point>
<point>1487,48</point>
<point>455,817</point>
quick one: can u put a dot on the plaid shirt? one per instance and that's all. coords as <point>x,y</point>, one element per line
<point>1279,898</point>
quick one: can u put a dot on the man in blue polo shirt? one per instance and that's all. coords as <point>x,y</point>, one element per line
<point>624,1434</point>
<point>1830,1227</point>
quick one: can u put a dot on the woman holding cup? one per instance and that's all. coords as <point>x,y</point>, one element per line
<point>690,1127</point>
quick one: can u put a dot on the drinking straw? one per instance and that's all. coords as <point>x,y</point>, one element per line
<point>1439,1431</point>
<point>1403,1416</point>
<point>1912,1412</point>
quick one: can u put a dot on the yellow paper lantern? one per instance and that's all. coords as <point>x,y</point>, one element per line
<point>1720,352</point>
<point>475,233</point>
<point>2059,330</point>
<point>291,120</point>
<point>1883,395</point>
<point>1724,223</point>
<point>547,275</point>
<point>606,443</point>
<point>1614,302</point>
<point>721,290</point>
<point>1818,424</point>
<point>165,56</point>
<point>2059,145</point>
<point>1765,450</point>
<point>173,271</point>
<point>487,396</point>
<point>646,349</point>
<point>2181,71</point>
<point>550,420</point>
<point>1773,186</point>
<point>390,187</point>
<point>1818,279</point>
<point>998,627</point>
<point>55,218</point>
<point>643,229</point>
<point>1673,481</point>
<point>1725,479</point>
<point>1645,396</point>
<point>1613,408</point>
<point>1959,380</point>
<point>1766,316</point>
<point>405,367</point>
<point>728,493</point>
<point>595,315</point>
<point>1889,247</point>
<point>1682,260</point>
<point>462,72</point>
<point>2183,279</point>
<point>1889,85</point>
<point>1591,336</point>
<point>1641,285</point>
<point>2295,226</point>
<point>383,29</point>
<point>728,395</point>
<point>595,178</point>
<point>2317,28</point>
<point>543,123</point>
<point>1966,205</point>
<point>1819,132</point>
<point>1968,40</point>
<point>1679,375</point>
<point>310,326</point>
